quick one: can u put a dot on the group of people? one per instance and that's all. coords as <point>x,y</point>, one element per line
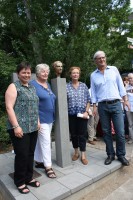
<point>30,107</point>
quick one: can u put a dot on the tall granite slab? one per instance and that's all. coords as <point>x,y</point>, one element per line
<point>61,128</point>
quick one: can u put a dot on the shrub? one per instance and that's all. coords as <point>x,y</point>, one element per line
<point>4,136</point>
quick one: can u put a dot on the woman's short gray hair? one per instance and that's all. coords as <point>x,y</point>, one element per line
<point>130,75</point>
<point>98,53</point>
<point>41,67</point>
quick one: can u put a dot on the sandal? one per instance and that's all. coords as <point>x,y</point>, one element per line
<point>21,190</point>
<point>39,165</point>
<point>50,173</point>
<point>33,183</point>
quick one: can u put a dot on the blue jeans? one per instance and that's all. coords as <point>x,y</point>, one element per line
<point>108,112</point>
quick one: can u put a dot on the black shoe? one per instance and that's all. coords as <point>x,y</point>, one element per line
<point>123,160</point>
<point>109,160</point>
<point>39,165</point>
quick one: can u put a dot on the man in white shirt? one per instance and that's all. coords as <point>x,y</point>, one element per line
<point>107,89</point>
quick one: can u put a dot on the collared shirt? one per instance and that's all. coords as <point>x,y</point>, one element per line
<point>107,86</point>
<point>77,98</point>
<point>46,103</point>
<point>26,108</point>
<point>129,90</point>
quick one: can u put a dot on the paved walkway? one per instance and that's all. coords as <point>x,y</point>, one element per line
<point>124,192</point>
<point>69,180</point>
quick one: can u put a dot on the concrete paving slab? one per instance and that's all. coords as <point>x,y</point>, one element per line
<point>9,155</point>
<point>28,196</point>
<point>70,181</point>
<point>4,192</point>
<point>6,179</point>
<point>70,169</point>
<point>51,191</point>
<point>99,154</point>
<point>95,171</point>
<point>113,167</point>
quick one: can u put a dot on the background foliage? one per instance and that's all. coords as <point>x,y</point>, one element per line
<point>69,30</point>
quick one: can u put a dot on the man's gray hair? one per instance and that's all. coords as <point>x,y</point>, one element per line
<point>98,53</point>
<point>41,67</point>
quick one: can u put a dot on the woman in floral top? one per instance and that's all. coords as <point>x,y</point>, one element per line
<point>23,124</point>
<point>78,98</point>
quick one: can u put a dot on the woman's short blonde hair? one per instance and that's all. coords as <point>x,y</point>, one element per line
<point>74,67</point>
<point>41,67</point>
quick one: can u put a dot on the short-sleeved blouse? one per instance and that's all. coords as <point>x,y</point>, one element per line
<point>26,108</point>
<point>77,98</point>
<point>46,103</point>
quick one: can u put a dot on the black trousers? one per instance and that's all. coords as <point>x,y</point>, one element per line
<point>78,131</point>
<point>24,156</point>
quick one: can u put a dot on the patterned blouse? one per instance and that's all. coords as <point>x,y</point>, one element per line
<point>77,98</point>
<point>26,108</point>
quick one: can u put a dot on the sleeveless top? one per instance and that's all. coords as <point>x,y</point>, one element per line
<point>26,108</point>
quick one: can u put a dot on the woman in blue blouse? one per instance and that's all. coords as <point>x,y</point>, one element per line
<point>46,116</point>
<point>78,98</point>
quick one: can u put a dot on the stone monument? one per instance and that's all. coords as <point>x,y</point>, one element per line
<point>61,129</point>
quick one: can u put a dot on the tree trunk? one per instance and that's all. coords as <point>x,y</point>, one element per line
<point>72,31</point>
<point>32,37</point>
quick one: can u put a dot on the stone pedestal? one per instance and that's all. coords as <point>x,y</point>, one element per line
<point>61,128</point>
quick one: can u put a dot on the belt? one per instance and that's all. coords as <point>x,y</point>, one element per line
<point>131,91</point>
<point>110,102</point>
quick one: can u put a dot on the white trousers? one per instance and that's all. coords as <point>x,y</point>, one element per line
<point>43,146</point>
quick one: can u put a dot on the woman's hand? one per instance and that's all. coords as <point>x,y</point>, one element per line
<point>18,132</point>
<point>94,111</point>
<point>39,125</point>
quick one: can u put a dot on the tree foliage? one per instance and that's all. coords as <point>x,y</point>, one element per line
<point>68,30</point>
